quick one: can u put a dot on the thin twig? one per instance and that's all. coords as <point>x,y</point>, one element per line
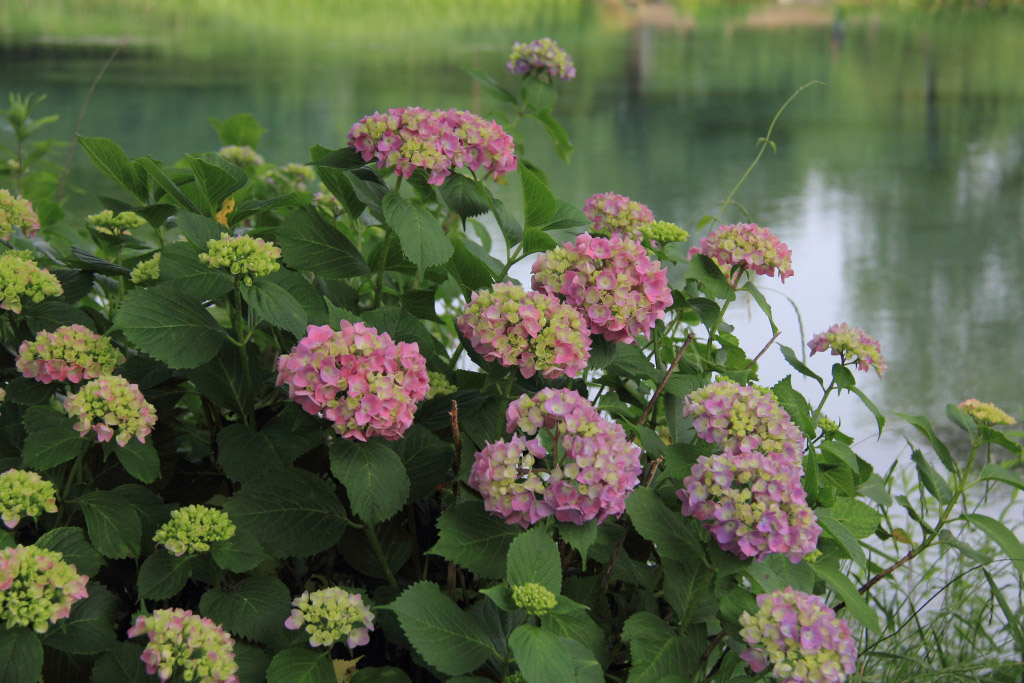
<point>664,380</point>
<point>457,443</point>
<point>763,350</point>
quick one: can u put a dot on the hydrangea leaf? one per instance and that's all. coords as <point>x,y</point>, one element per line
<point>274,304</point>
<point>426,458</point>
<point>245,454</point>
<point>422,238</point>
<point>180,267</point>
<point>216,177</point>
<point>240,129</point>
<point>579,627</point>
<point>475,539</point>
<point>533,558</point>
<point>162,575</point>
<point>445,636</point>
<point>108,157</point>
<point>1001,536</point>
<point>170,326</point>
<point>90,627</point>
<point>539,204</point>
<point>656,650</point>
<point>114,527</point>
<point>541,656</point>
<point>335,179</point>
<point>138,459</point>
<point>844,588</point>
<point>301,665</point>
<point>71,542</point>
<point>51,439</point>
<point>308,243</point>
<point>122,663</point>
<point>222,378</point>
<point>255,608</point>
<point>464,196</point>
<point>21,655</point>
<point>199,230</point>
<point>374,477</point>
<point>240,553</point>
<point>670,531</point>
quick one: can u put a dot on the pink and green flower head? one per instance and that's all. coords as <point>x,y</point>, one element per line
<point>541,56</point>
<point>752,503</point>
<point>852,345</point>
<point>241,155</point>
<point>438,141</point>
<point>359,379</point>
<point>743,419</point>
<point>186,644</point>
<point>113,408</point>
<point>799,637</point>
<point>25,494</point>
<point>37,587</point>
<point>611,213</point>
<point>986,413</point>
<point>70,353</point>
<point>243,256</point>
<point>530,330</point>
<point>747,247</point>
<point>193,528</point>
<point>611,280</point>
<point>21,278</point>
<point>581,468</point>
<point>330,615</point>
<point>16,213</point>
<point>108,223</point>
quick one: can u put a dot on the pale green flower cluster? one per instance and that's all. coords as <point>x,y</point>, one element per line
<point>22,278</point>
<point>147,271</point>
<point>663,231</point>
<point>192,529</point>
<point>16,213</point>
<point>25,494</point>
<point>244,256</point>
<point>331,614</point>
<point>241,155</point>
<point>439,385</point>
<point>107,223</point>
<point>826,425</point>
<point>534,598</point>
<point>37,587</point>
<point>291,177</point>
<point>113,408</point>
<point>186,643</point>
<point>986,413</point>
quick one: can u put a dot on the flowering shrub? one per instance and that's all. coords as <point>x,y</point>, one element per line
<point>70,353</point>
<point>16,213</point>
<point>186,644</point>
<point>38,587</point>
<point>357,394</point>
<point>25,494</point>
<point>112,408</point>
<point>541,56</point>
<point>800,637</point>
<point>619,290</point>
<point>531,330</point>
<point>360,380</point>
<point>331,614</point>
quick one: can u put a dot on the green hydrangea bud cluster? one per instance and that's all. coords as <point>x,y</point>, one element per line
<point>37,587</point>
<point>192,529</point>
<point>534,598</point>
<point>241,155</point>
<point>289,178</point>
<point>22,278</point>
<point>16,213</point>
<point>244,256</point>
<point>328,204</point>
<point>331,614</point>
<point>439,385</point>
<point>663,231</point>
<point>826,425</point>
<point>986,413</point>
<point>186,643</point>
<point>147,271</point>
<point>109,223</point>
<point>25,494</point>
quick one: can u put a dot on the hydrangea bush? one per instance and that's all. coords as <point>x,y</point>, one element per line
<point>283,411</point>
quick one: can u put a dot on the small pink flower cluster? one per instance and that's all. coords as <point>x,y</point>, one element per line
<point>37,587</point>
<point>752,503</point>
<point>359,379</point>
<point>748,246</point>
<point>69,353</point>
<point>408,138</point>
<point>986,413</point>
<point>184,643</point>
<point>533,330</point>
<point>16,213</point>
<point>611,280</point>
<point>846,341</point>
<point>743,419</point>
<point>800,637</point>
<point>611,213</point>
<point>588,474</point>
<point>542,55</point>
<point>109,405</point>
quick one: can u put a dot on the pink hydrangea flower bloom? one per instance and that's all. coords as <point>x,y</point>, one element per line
<point>184,643</point>
<point>408,138</point>
<point>850,342</point>
<point>800,637</point>
<point>611,280</point>
<point>743,419</point>
<point>752,503</point>
<point>542,56</point>
<point>611,213</point>
<point>359,379</point>
<point>749,247</point>
<point>532,330</point>
<point>70,353</point>
<point>110,406</point>
<point>588,473</point>
<point>38,587</point>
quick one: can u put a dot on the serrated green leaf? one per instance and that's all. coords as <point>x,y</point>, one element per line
<point>170,326</point>
<point>488,83</point>
<point>421,236</point>
<point>138,459</point>
<point>656,650</point>
<point>216,177</point>
<point>222,378</point>
<point>840,533</point>
<point>557,133</point>
<point>303,291</point>
<point>541,656</point>
<point>795,404</point>
<point>1001,536</point>
<point>464,196</point>
<point>337,181</point>
<point>475,539</point>
<point>401,325</point>
<point>122,663</point>
<point>90,627</point>
<point>844,588</point>
<point>577,626</point>
<point>994,472</point>
<point>427,460</point>
<point>931,479</point>
<point>51,439</point>
<point>469,271</point>
<point>841,452</point>
<point>301,665</point>
<point>510,228</point>
<point>245,454</point>
<point>761,302</point>
<point>536,240</point>
<point>199,230</point>
<point>533,558</point>
<point>374,478</point>
<point>71,542</point>
<point>860,519</point>
<point>798,365</point>
<point>709,275</point>
<point>344,158</point>
<point>160,177</point>
<point>539,204</point>
<point>252,207</point>
<point>240,129</point>
<point>921,424</point>
<point>309,243</point>
<point>21,655</point>
<point>108,157</point>
<point>291,512</point>
<point>445,636</point>
<point>579,537</point>
<point>961,420</point>
<point>240,553</point>
<point>255,608</point>
<point>274,304</point>
<point>162,575</point>
<point>843,377</point>
<point>114,527</point>
<point>49,315</point>
<point>180,268</point>
<point>669,530</point>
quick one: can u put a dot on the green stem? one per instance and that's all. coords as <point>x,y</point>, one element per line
<point>514,258</point>
<point>378,552</point>
<point>236,315</point>
<point>821,403</point>
<point>66,488</point>
<point>714,328</point>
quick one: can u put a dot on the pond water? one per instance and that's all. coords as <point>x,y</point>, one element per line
<point>899,185</point>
